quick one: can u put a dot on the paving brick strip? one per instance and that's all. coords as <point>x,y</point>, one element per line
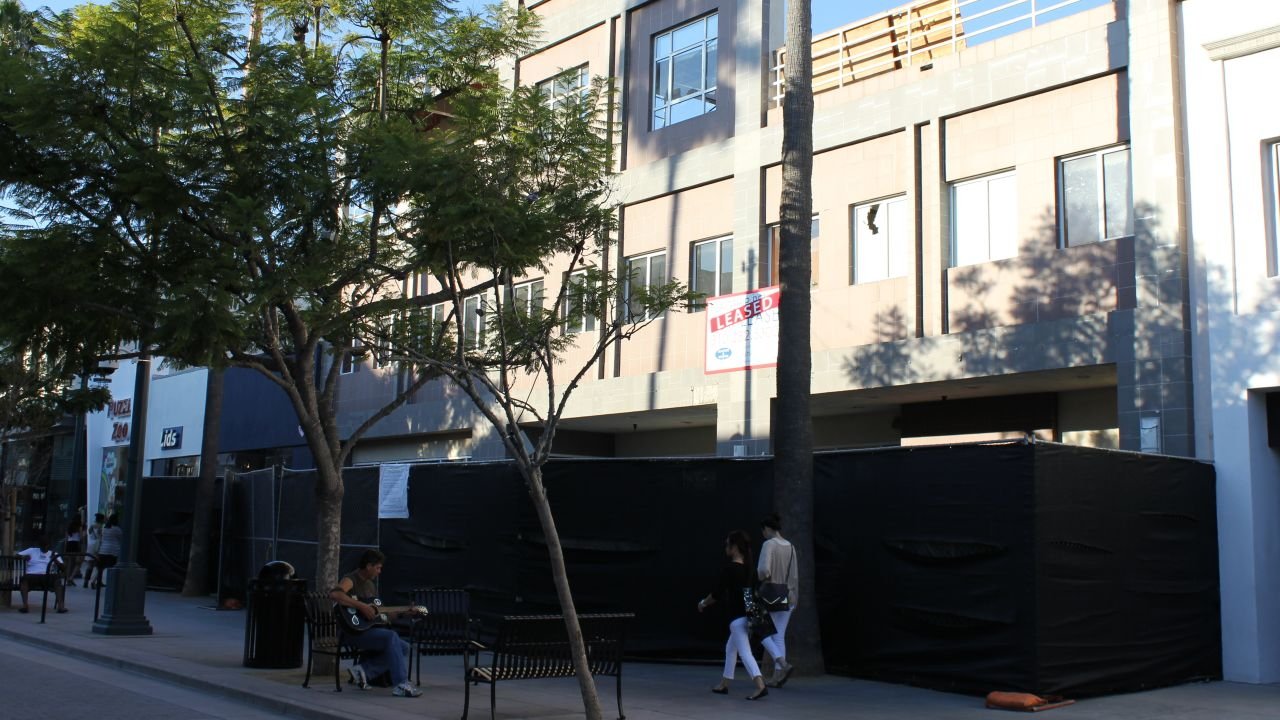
<point>200,648</point>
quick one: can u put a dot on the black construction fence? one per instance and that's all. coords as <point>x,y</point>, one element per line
<point>1035,567</point>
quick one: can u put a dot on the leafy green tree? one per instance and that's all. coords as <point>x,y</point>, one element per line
<point>259,185</point>
<point>513,360</point>
<point>229,195</point>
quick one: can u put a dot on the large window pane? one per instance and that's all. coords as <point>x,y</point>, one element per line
<point>726,268</point>
<point>1080,195</point>
<point>871,256</point>
<point>661,81</point>
<point>692,34</point>
<point>899,238</point>
<point>969,211</point>
<point>1118,193</point>
<point>684,72</point>
<point>1004,217</point>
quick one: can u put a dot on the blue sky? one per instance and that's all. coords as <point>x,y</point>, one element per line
<point>827,14</point>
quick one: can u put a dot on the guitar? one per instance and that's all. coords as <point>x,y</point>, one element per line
<point>353,621</point>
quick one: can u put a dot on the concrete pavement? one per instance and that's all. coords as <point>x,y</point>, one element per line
<point>196,647</point>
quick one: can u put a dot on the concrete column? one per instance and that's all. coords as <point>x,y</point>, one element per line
<point>934,231</point>
<point>1154,385</point>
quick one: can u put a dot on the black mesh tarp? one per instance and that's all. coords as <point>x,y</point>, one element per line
<point>1042,568</point>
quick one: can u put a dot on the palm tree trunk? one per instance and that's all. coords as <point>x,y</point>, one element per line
<point>793,429</point>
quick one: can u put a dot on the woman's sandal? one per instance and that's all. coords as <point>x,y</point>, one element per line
<point>720,690</point>
<point>758,694</point>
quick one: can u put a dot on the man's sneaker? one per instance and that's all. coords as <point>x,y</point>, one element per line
<point>404,689</point>
<point>358,678</point>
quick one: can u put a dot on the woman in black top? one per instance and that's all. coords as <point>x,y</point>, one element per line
<point>728,595</point>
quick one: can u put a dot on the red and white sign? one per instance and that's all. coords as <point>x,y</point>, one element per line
<point>742,330</point>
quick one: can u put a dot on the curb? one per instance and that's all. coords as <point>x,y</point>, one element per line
<point>260,700</point>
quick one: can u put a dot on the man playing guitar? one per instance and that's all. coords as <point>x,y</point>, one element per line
<point>386,650</point>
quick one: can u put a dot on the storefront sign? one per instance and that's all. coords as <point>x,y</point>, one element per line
<point>171,438</point>
<point>742,330</point>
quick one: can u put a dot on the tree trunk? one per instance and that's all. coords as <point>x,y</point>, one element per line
<point>329,491</point>
<point>793,428</point>
<point>202,515</point>
<point>586,683</point>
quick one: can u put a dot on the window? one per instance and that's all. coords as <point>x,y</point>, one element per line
<point>577,317</point>
<point>684,72</point>
<point>1273,249</point>
<point>567,87</point>
<point>1096,198</point>
<point>349,364</point>
<point>712,271</point>
<point>526,297</point>
<point>382,348</point>
<point>881,241</point>
<point>984,219</point>
<point>771,251</point>
<point>644,272</point>
<point>472,323</point>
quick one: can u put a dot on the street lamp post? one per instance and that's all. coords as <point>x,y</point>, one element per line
<point>126,599</point>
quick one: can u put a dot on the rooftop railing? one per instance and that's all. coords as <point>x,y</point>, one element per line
<point>916,34</point>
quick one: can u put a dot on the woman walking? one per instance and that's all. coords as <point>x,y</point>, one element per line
<point>778,565</point>
<point>735,578</point>
<point>109,550</point>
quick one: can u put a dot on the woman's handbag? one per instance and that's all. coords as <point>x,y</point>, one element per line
<point>759,623</point>
<point>777,596</point>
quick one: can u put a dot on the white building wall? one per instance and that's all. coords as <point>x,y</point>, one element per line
<point>175,399</point>
<point>1230,58</point>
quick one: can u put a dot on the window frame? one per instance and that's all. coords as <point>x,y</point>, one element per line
<point>547,87</point>
<point>349,362</point>
<point>1101,199</point>
<point>771,249</point>
<point>711,23</point>
<point>587,323</point>
<point>722,241</point>
<point>1273,198</point>
<point>987,179</point>
<point>536,289</point>
<point>474,310</point>
<point>647,259</point>
<point>890,228</point>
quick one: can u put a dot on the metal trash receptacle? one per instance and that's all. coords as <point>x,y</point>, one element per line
<point>275,620</point>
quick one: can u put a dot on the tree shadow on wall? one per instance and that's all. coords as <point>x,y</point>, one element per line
<point>1049,307</point>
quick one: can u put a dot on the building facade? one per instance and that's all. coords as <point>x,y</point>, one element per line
<point>1061,223</point>
<point>999,246</point>
<point>1232,146</point>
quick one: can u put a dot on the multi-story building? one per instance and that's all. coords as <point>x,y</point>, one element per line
<point>1002,242</point>
<point>1232,146</point>
<point>999,233</point>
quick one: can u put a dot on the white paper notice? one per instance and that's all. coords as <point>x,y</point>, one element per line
<point>393,491</point>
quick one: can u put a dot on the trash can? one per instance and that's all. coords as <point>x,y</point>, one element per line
<point>274,623</point>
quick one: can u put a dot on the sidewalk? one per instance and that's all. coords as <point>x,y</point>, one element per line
<point>201,648</point>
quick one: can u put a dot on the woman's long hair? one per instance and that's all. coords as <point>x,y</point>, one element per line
<point>740,540</point>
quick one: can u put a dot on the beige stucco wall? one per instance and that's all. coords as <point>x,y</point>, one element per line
<point>673,223</point>
<point>847,314</point>
<point>1028,136</point>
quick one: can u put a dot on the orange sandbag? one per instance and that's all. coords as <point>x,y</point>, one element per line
<point>1024,701</point>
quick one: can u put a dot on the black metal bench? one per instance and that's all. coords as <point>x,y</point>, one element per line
<point>531,647</point>
<point>324,636</point>
<point>446,629</point>
<point>12,568</point>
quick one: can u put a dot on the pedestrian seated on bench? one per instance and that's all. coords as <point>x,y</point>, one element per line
<point>44,572</point>
<point>364,625</point>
